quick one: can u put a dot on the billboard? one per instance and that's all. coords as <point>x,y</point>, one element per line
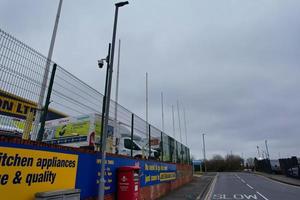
<point>67,127</point>
<point>32,169</point>
<point>16,106</point>
<point>82,130</point>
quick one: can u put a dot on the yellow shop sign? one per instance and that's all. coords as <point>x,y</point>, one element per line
<point>24,172</point>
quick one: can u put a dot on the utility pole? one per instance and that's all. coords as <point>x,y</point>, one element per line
<point>179,122</point>
<point>117,92</point>
<point>162,112</point>
<point>107,102</point>
<point>147,128</point>
<point>173,119</point>
<point>204,153</point>
<point>45,77</point>
<point>185,130</point>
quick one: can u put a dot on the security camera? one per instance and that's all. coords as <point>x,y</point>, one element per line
<point>100,63</point>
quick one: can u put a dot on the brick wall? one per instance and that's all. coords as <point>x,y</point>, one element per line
<point>184,176</point>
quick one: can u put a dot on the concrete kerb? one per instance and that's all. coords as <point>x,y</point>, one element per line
<point>209,189</point>
<point>277,180</point>
<point>285,182</point>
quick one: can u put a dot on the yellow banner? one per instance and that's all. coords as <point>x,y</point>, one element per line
<point>17,107</point>
<point>24,172</point>
<point>167,176</point>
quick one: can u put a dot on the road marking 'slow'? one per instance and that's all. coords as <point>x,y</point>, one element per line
<point>249,186</point>
<point>265,198</point>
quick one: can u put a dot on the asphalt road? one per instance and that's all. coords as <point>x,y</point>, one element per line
<point>194,190</point>
<point>245,186</point>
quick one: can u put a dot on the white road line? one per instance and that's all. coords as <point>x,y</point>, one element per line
<point>250,186</point>
<point>240,178</point>
<point>265,198</point>
<point>211,189</point>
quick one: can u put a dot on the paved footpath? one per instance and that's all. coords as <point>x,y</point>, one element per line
<point>281,178</point>
<point>192,191</point>
<point>245,186</point>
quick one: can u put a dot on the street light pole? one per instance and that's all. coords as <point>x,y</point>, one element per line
<point>116,129</point>
<point>204,154</point>
<point>147,124</point>
<point>162,112</point>
<point>179,123</point>
<point>173,120</point>
<point>185,130</point>
<point>45,77</point>
<point>107,102</point>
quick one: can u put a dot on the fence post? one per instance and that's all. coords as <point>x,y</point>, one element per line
<point>45,109</point>
<point>149,141</point>
<point>104,99</point>
<point>132,128</point>
<point>175,151</point>
<point>181,152</point>
<point>189,156</point>
<point>162,146</point>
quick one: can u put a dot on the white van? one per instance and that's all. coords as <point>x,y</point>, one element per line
<point>139,144</point>
<point>8,126</point>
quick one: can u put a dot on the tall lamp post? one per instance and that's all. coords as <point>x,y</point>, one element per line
<point>107,102</point>
<point>204,153</point>
<point>39,109</point>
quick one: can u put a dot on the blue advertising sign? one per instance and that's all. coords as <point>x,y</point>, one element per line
<point>197,162</point>
<point>151,173</point>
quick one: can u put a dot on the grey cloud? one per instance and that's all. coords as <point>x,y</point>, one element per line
<point>232,64</point>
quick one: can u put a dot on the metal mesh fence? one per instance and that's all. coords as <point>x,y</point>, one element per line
<point>155,142</point>
<point>22,68</point>
<point>74,116</point>
<point>73,97</point>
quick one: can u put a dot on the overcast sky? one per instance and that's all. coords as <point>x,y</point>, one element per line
<point>232,64</point>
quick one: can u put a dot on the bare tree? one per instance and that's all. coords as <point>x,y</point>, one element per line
<point>229,163</point>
